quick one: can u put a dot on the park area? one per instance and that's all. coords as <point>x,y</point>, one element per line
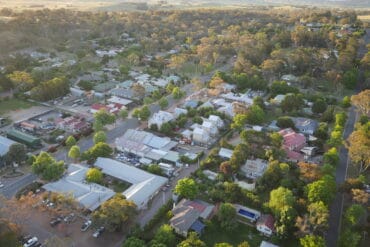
<point>13,105</point>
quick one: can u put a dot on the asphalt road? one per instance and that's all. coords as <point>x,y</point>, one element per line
<point>10,189</point>
<point>336,207</point>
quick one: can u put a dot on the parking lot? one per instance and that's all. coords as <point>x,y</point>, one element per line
<point>39,225</point>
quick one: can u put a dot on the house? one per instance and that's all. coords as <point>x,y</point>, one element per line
<point>179,111</point>
<point>293,143</point>
<point>243,98</point>
<point>5,144</point>
<point>191,103</point>
<point>292,140</point>
<point>124,93</point>
<point>189,215</point>
<point>88,195</point>
<point>144,185</point>
<point>289,78</point>
<point>278,99</point>
<point>305,125</point>
<point>201,136</point>
<point>210,174</point>
<point>254,168</point>
<point>225,153</point>
<point>167,169</point>
<point>159,118</point>
<point>217,121</point>
<point>210,127</point>
<point>73,124</point>
<point>265,224</point>
<point>119,100</point>
<point>267,244</point>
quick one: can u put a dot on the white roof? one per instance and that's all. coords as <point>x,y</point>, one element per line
<point>89,195</point>
<point>118,100</point>
<point>238,97</point>
<point>5,144</point>
<point>225,153</point>
<point>144,184</point>
<point>267,244</point>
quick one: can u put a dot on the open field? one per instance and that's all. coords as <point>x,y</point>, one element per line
<point>13,105</point>
<point>365,18</point>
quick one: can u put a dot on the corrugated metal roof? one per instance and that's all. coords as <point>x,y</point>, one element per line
<point>5,144</point>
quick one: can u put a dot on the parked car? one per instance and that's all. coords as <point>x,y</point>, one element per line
<point>98,232</point>
<point>31,242</point>
<point>86,225</point>
<point>55,222</point>
<point>1,185</point>
<point>69,218</point>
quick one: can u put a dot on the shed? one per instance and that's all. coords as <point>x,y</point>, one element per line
<point>24,138</point>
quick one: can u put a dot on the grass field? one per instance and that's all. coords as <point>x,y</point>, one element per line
<point>13,105</point>
<point>215,234</point>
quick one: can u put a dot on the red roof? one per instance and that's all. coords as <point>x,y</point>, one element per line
<point>292,139</point>
<point>197,206</point>
<point>268,221</point>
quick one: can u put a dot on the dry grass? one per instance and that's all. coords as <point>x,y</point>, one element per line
<point>364,18</point>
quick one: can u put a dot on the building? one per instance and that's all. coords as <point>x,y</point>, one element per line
<point>189,215</point>
<point>266,225</point>
<point>217,121</point>
<point>179,111</point>
<point>144,185</point>
<point>254,168</point>
<point>167,169</point>
<point>201,136</point>
<point>267,244</point>
<point>21,137</point>
<point>88,195</point>
<point>242,98</point>
<point>73,124</point>
<point>210,174</point>
<point>119,101</point>
<point>278,99</point>
<point>225,153</point>
<point>293,143</point>
<point>5,144</point>
<point>159,118</point>
<point>305,125</point>
<point>210,127</point>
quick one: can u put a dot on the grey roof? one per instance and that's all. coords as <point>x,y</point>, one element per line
<point>305,125</point>
<point>225,153</point>
<point>5,144</point>
<point>89,195</point>
<point>144,184</point>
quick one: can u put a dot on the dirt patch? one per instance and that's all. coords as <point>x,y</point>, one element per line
<point>24,114</point>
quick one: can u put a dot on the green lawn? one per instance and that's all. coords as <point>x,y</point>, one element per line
<point>13,104</point>
<point>215,234</point>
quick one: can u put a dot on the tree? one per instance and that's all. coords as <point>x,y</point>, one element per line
<point>223,245</point>
<point>9,234</point>
<point>94,175</point>
<point>46,166</point>
<point>346,102</point>
<point>186,188</point>
<point>239,121</point>
<point>123,114</point>
<point>104,117</point>
<point>155,169</point>
<point>17,153</point>
<point>177,93</point>
<point>360,196</point>
<point>255,115</point>
<point>192,241</point>
<point>115,213</point>
<point>322,190</point>
<point>71,141</point>
<point>318,215</point>
<point>165,235</point>
<point>362,101</point>
<point>354,214</point>
<point>226,168</point>
<point>51,89</point>
<point>358,144</point>
<point>134,242</point>
<point>260,102</point>
<point>100,149</point>
<point>144,113</point>
<point>331,157</point>
<point>285,122</point>
<point>285,222</point>
<point>309,172</point>
<point>319,106</point>
<point>166,128</point>
<point>312,241</point>
<point>163,103</point>
<point>244,244</point>
<point>21,80</point>
<point>215,82</point>
<point>100,136</point>
<point>74,152</point>
<point>227,217</point>
<point>292,102</point>
<point>349,237</point>
<point>280,198</point>
<point>350,78</point>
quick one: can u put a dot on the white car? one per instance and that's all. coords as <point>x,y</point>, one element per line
<point>1,185</point>
<point>31,242</point>
<point>86,225</point>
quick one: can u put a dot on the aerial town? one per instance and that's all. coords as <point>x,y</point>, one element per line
<point>155,125</point>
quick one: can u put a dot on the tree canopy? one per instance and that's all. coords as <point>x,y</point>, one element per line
<point>187,188</point>
<point>46,166</point>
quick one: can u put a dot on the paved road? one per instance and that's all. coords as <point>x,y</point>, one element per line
<point>336,207</point>
<point>9,190</point>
